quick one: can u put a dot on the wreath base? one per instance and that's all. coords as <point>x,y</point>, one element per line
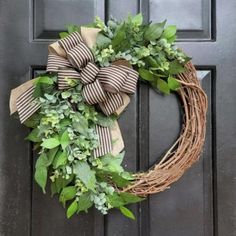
<point>187,148</point>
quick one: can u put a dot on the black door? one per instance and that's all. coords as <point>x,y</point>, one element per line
<point>203,201</point>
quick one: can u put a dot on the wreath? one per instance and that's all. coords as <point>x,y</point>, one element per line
<point>73,109</point>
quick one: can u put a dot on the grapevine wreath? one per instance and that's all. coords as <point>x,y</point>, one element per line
<point>73,109</point>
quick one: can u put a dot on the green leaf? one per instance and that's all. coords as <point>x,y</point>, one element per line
<point>173,83</point>
<point>119,180</point>
<point>84,202</point>
<point>102,41</point>
<point>72,209</point>
<point>119,38</point>
<point>50,143</point>
<point>51,154</point>
<point>44,80</point>
<point>126,212</point>
<point>33,121</point>
<point>152,62</point>
<point>67,193</point>
<point>172,39</point>
<point>65,140</point>
<point>60,159</point>
<point>63,35</point>
<point>81,126</point>
<point>169,31</point>
<point>176,68</point>
<point>154,31</point>
<point>112,163</point>
<point>34,136</point>
<point>42,161</point>
<point>146,74</point>
<point>163,86</point>
<point>40,177</point>
<point>121,199</point>
<point>130,198</point>
<point>82,170</point>
<point>105,121</point>
<point>60,183</point>
<point>72,28</point>
<point>138,19</point>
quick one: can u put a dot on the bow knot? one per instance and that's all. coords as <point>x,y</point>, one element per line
<point>104,86</point>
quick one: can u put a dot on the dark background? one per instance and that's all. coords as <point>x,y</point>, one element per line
<point>203,201</point>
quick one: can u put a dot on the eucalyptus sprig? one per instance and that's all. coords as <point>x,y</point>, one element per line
<point>148,47</point>
<point>63,132</point>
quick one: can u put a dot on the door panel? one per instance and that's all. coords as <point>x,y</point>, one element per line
<point>203,201</point>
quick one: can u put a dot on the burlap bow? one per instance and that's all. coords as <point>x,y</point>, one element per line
<point>104,86</point>
<point>71,58</point>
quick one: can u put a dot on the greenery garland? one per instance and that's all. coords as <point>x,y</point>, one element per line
<point>63,130</point>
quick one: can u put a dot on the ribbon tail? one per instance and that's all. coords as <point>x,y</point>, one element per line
<point>26,104</point>
<point>117,139</point>
<point>105,141</point>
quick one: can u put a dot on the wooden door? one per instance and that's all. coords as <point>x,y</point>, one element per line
<point>203,201</point>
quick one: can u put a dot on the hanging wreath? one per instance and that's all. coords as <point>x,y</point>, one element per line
<point>73,110</point>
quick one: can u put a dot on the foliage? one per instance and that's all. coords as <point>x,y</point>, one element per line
<point>63,129</point>
<point>148,47</point>
<point>64,132</point>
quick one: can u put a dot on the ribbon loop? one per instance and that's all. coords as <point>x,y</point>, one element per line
<point>70,41</point>
<point>55,61</point>
<point>80,55</point>
<point>130,84</point>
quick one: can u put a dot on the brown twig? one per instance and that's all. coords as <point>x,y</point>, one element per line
<point>188,146</point>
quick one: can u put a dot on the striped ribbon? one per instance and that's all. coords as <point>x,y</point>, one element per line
<point>103,86</point>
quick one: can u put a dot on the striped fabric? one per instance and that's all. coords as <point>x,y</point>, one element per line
<point>112,78</point>
<point>80,55</point>
<point>54,62</point>
<point>89,73</point>
<point>113,102</point>
<point>70,41</point>
<point>94,93</point>
<point>105,142</point>
<point>26,104</point>
<point>64,74</point>
<point>131,82</point>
